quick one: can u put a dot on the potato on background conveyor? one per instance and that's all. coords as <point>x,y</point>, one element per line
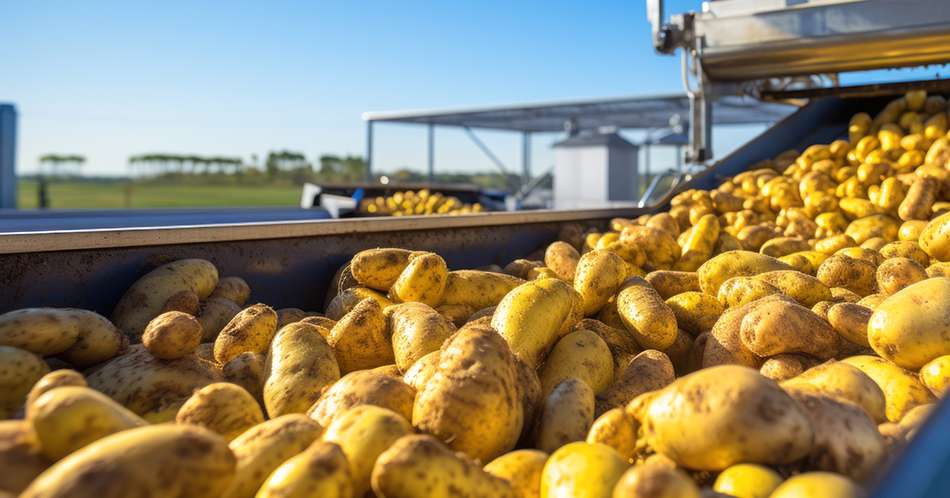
<point>360,339</point>
<point>320,470</point>
<point>147,296</point>
<point>299,365</point>
<point>522,469</point>
<point>530,316</point>
<point>581,354</point>
<point>700,244</point>
<point>582,470</point>
<point>646,315</point>
<point>251,330</point>
<point>224,408</point>
<point>172,335</point>
<point>162,461</point>
<point>363,433</point>
<point>471,402</point>
<point>911,327</point>
<point>902,389</point>
<point>422,280</point>
<point>416,330</point>
<point>566,415</point>
<point>20,370</point>
<point>234,289</point>
<point>264,447</point>
<point>379,268</point>
<point>363,387</point>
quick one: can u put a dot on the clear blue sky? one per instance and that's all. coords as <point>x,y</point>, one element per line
<point>108,79</point>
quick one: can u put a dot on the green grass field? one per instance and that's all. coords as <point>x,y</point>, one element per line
<point>105,195</point>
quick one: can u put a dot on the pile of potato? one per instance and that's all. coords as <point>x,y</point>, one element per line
<point>784,335</point>
<point>415,203</point>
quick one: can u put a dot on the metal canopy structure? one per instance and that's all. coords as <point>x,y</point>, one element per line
<point>644,112</point>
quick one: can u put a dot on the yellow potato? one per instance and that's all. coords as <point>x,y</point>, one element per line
<point>935,238</point>
<point>936,375</point>
<point>172,335</point>
<point>71,417</point>
<point>99,340</point>
<point>720,268</point>
<point>360,339</point>
<point>21,369</point>
<point>471,401</point>
<point>658,245</point>
<point>724,345</point>
<point>528,387</point>
<point>617,429</point>
<point>222,407</point>
<point>905,249</point>
<point>522,469</point>
<point>562,258</point>
<point>250,330</point>
<point>853,274</point>
<point>345,301</point>
<point>20,456</point>
<point>623,346</point>
<point>669,283</point>
<point>738,291</point>
<point>286,316</point>
<point>147,296</point>
<point>704,423</point>
<point>695,312</point>
<point>783,246</point>
<point>247,371</point>
<point>850,321</point>
<point>581,354</point>
<point>422,466</point>
<point>648,371</point>
<point>746,480</point>
<point>782,327</point>
<point>184,301</point>
<point>911,327</point>
<point>363,387</point>
<point>42,331</point>
<point>422,280</point>
<point>419,374</point>
<point>566,415</point>
<point>786,366</point>
<point>582,470</point>
<point>416,331</point>
<point>902,389</point>
<point>53,380</point>
<point>321,470</point>
<point>875,225</point>
<point>863,253</point>
<point>363,433</point>
<point>379,268</point>
<point>161,461</point>
<point>803,288</point>
<point>299,365</point>
<point>834,243</point>
<point>700,243</point>
<point>919,199</point>
<point>845,382</point>
<point>531,315</point>
<point>264,447</point>
<point>234,289</point>
<point>478,289</point>
<point>938,269</point>
<point>872,300</point>
<point>824,484</point>
<point>519,268</point>
<point>644,313</point>
<point>898,273</point>
<point>653,480</point>
<point>599,275</point>
<point>842,295</point>
<point>214,315</point>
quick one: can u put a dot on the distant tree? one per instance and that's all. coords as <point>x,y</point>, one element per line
<point>53,164</point>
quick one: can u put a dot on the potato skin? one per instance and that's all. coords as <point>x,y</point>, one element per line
<point>71,417</point>
<point>20,456</point>
<point>250,330</point>
<point>738,291</point>
<point>599,275</point>
<point>478,289</point>
<point>911,327</point>
<point>214,315</point>
<point>264,447</point>
<point>936,375</point>
<point>783,327</point>
<point>695,312</point>
<point>646,315</point>
<point>840,380</point>
<point>669,283</point>
<point>379,268</point>
<point>730,264</point>
<point>648,371</point>
<point>422,280</point>
<point>522,469</point>
<point>786,366</point>
<point>817,483</point>
<point>566,415</point>
<point>471,401</point>
<point>617,429</point>
<point>895,274</point>
<point>582,470</point>
<point>21,369</point>
<point>850,321</point>
<point>247,371</point>
<point>234,289</point>
<point>172,335</point>
<point>53,380</point>
<point>99,340</point>
<point>299,365</point>
<point>147,296</point>
<point>42,331</point>
<point>139,462</point>
<point>531,315</point>
<point>363,433</point>
<point>562,258</point>
<point>582,354</point>
<point>420,465</point>
<point>224,408</point>
<point>346,300</point>
<point>655,480</point>
<point>724,344</point>
<point>363,387</point>
<point>360,339</point>
<point>803,288</point>
<point>717,424</point>
<point>422,370</point>
<point>416,331</point>
<point>935,238</point>
<point>856,275</point>
<point>320,470</point>
<point>753,481</point>
<point>902,389</point>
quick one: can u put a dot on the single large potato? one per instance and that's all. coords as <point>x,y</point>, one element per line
<point>20,370</point>
<point>582,470</point>
<point>42,331</point>
<point>422,280</point>
<point>299,365</point>
<point>599,275</point>
<point>99,340</point>
<point>730,264</point>
<point>363,387</point>
<point>705,423</point>
<point>251,330</point>
<point>695,312</point>
<point>224,408</point>
<point>416,331</point>
<point>363,433</point>
<point>320,470</point>
<point>172,335</point>
<point>471,401</point>
<point>581,354</point>
<point>646,315</point>
<point>264,447</point>
<point>379,268</point>
<point>566,415</point>
<point>420,465</point>
<point>902,389</point>
<point>146,298</point>
<point>782,327</point>
<point>161,461</point>
<point>478,289</point>
<point>531,315</point>
<point>360,339</point>
<point>912,326</point>
<point>562,258</point>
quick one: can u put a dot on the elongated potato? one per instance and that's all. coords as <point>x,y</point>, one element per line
<point>250,330</point>
<point>843,381</point>
<point>738,291</point>
<point>346,300</point>
<point>142,462</point>
<point>363,433</point>
<point>562,258</point>
<point>363,387</point>
<point>531,315</point>
<point>700,244</point>
<point>20,456</point>
<point>935,238</point>
<point>902,389</point>
<point>936,375</point>
<point>782,327</point>
<point>478,289</point>
<point>172,335</point>
<point>147,296</point>
<point>42,331</point>
<point>566,415</point>
<point>422,280</point>
<point>21,369</point>
<point>422,466</point>
<point>715,424</point>
<point>599,275</point>
<point>850,321</point>
<point>645,314</point>
<point>416,331</point>
<point>320,470</point>
<point>803,288</point>
<point>471,401</point>
<point>360,339</point>
<point>617,429</point>
<point>911,327</point>
<point>522,469</point>
<point>648,371</point>
<point>582,470</point>
<point>214,314</point>
<point>695,312</point>
<point>581,354</point>
<point>919,199</point>
<point>264,447</point>
<point>299,365</point>
<point>71,417</point>
<point>724,344</point>
<point>656,480</point>
<point>730,264</point>
<point>224,408</point>
<point>669,283</point>
<point>99,340</point>
<point>379,268</point>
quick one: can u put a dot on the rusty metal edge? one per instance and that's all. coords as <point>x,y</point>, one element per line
<point>67,240</point>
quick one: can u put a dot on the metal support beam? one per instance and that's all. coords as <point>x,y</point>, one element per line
<point>7,156</point>
<point>525,158</point>
<point>431,156</point>
<point>485,150</point>
<point>369,151</point>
